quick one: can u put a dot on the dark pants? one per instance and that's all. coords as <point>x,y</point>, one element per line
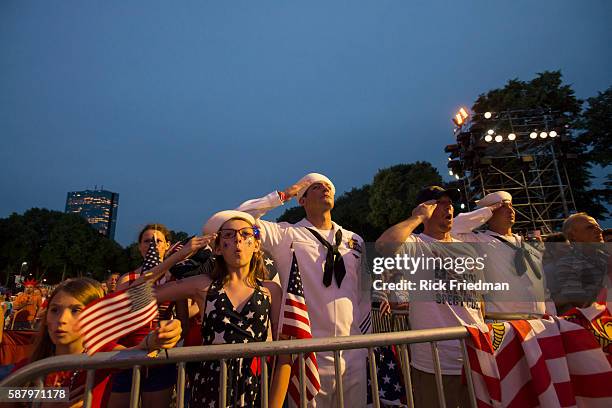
<point>426,393</point>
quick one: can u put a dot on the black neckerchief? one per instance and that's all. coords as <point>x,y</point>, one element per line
<point>522,256</point>
<point>334,264</point>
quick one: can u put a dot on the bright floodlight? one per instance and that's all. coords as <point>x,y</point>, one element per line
<point>533,135</point>
<point>461,116</point>
<point>457,176</point>
<point>490,131</point>
<point>552,133</point>
<point>462,206</point>
<point>543,135</point>
<point>450,172</point>
<point>488,138</point>
<point>499,138</point>
<point>488,115</point>
<point>511,136</point>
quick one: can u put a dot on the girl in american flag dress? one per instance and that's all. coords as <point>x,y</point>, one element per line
<point>237,306</point>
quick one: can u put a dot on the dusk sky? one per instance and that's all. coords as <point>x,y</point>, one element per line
<point>186,108</point>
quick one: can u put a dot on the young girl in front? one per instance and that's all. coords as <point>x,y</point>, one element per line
<point>238,306</point>
<point>59,334</point>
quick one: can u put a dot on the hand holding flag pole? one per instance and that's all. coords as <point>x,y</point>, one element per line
<point>162,338</point>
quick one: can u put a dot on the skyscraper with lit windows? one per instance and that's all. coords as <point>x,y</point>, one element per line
<point>98,207</point>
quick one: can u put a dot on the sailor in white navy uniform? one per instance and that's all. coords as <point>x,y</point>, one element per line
<point>336,286</point>
<point>509,258</point>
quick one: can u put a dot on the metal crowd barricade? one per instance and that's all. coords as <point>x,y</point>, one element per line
<point>502,317</point>
<point>136,360</point>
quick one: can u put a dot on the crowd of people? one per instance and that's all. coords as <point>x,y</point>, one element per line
<point>228,297</point>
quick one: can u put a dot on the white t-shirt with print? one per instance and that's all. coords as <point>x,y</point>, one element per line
<point>430,314</point>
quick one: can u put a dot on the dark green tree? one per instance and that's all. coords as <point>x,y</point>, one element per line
<point>394,190</point>
<point>596,124</point>
<point>56,246</point>
<point>596,121</point>
<point>352,210</point>
<point>176,236</point>
<point>292,215</point>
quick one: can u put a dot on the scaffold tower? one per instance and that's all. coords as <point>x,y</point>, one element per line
<point>523,152</point>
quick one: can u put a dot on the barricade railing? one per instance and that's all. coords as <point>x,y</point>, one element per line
<point>136,360</point>
<point>500,317</point>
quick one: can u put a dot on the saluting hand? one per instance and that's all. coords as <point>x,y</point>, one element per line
<point>196,243</point>
<point>292,191</point>
<point>425,210</point>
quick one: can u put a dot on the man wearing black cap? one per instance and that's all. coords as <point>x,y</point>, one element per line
<point>438,308</point>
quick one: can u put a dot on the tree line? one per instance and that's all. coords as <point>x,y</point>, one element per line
<point>57,246</point>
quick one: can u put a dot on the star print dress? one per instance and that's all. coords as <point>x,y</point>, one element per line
<point>223,324</point>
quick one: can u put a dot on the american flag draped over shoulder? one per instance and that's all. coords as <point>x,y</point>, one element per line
<point>119,313</point>
<point>547,362</point>
<point>296,324</point>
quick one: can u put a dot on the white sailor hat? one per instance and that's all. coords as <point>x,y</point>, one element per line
<point>215,222</point>
<point>494,198</point>
<point>312,178</point>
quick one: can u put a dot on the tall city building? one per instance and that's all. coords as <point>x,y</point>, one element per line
<point>98,207</point>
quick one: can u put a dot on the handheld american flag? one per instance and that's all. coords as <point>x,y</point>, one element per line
<point>120,313</point>
<point>296,324</point>
<point>151,258</point>
<point>116,315</point>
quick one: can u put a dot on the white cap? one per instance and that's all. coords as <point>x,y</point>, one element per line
<point>494,198</point>
<point>215,222</point>
<point>312,178</point>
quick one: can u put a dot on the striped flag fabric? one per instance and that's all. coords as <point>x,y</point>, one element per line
<point>296,324</point>
<point>366,324</point>
<point>108,319</point>
<point>391,390</point>
<point>548,362</point>
<point>598,320</point>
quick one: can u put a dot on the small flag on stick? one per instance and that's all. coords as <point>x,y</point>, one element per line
<point>296,324</point>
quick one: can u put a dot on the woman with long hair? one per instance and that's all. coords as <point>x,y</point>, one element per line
<point>59,335</point>
<point>157,381</point>
<point>238,306</point>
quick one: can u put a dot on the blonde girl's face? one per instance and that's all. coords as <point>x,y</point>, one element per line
<point>150,235</point>
<point>63,318</point>
<point>237,243</point>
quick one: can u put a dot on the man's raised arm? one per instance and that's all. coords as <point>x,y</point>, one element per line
<point>394,236</point>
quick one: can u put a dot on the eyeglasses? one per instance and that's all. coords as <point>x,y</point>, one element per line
<point>245,233</point>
